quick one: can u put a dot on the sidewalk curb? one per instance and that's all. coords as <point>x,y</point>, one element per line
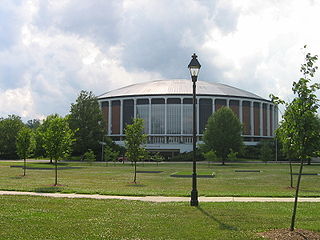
<point>160,198</point>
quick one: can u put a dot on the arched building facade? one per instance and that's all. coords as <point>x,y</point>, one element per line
<point>166,107</point>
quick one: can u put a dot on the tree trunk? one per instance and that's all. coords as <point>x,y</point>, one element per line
<point>50,160</point>
<point>291,177</point>
<point>309,161</point>
<point>135,172</point>
<point>56,173</point>
<point>24,167</point>
<point>296,197</point>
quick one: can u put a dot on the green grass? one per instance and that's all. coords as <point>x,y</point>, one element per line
<point>23,217</point>
<point>117,179</point>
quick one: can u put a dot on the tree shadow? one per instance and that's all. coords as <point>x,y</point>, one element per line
<point>222,225</point>
<point>50,189</point>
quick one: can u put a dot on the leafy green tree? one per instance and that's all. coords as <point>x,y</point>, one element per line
<point>232,156</point>
<point>89,156</point>
<point>86,120</point>
<point>25,145</point>
<point>110,154</point>
<point>39,132</point>
<point>266,150</point>
<point>9,128</point>
<point>33,124</point>
<point>134,143</point>
<point>58,139</point>
<point>299,129</point>
<point>210,156</point>
<point>223,133</point>
<point>156,157</point>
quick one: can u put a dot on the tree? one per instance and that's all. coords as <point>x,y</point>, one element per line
<point>89,156</point>
<point>9,128</point>
<point>299,129</point>
<point>210,156</point>
<point>86,119</point>
<point>266,150</point>
<point>223,133</point>
<point>58,139</point>
<point>110,154</point>
<point>24,145</point>
<point>34,123</point>
<point>157,157</point>
<point>134,143</point>
<point>40,150</point>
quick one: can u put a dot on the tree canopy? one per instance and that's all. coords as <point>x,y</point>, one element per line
<point>9,128</point>
<point>86,120</point>
<point>24,144</point>
<point>299,129</point>
<point>223,133</point>
<point>135,138</point>
<point>58,139</point>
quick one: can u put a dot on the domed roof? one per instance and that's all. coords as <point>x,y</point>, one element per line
<point>178,87</point>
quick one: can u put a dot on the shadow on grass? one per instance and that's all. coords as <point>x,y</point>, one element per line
<point>17,177</point>
<point>135,185</point>
<point>51,189</point>
<point>222,226</point>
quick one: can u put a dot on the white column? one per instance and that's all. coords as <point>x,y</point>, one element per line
<point>181,112</point>
<point>109,117</point>
<point>121,116</point>
<point>149,123</point>
<point>228,102</point>
<point>213,105</point>
<point>275,122</point>
<point>261,119</point>
<point>134,108</point>
<point>165,115</point>
<point>240,111</point>
<point>268,119</point>
<point>251,118</point>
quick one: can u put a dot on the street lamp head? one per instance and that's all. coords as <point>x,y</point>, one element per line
<point>194,66</point>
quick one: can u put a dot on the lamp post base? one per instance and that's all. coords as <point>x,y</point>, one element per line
<point>194,198</point>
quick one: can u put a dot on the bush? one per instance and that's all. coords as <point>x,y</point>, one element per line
<point>187,157</point>
<point>89,156</point>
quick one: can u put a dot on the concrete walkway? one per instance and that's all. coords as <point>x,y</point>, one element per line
<point>161,198</point>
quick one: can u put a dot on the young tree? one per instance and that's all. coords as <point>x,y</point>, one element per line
<point>134,143</point>
<point>40,150</point>
<point>266,150</point>
<point>9,128</point>
<point>223,133</point>
<point>86,120</point>
<point>58,139</point>
<point>24,145</point>
<point>299,129</point>
<point>210,156</point>
<point>89,156</point>
<point>110,154</point>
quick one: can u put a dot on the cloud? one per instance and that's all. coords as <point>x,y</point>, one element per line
<point>50,50</point>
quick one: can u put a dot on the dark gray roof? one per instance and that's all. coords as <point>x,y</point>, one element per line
<point>178,87</point>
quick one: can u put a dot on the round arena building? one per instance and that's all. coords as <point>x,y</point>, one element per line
<point>166,107</point>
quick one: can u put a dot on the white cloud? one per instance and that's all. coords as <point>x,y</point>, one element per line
<point>50,50</point>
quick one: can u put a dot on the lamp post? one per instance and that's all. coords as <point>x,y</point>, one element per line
<point>194,67</point>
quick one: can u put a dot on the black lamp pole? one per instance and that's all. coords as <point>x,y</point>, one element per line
<point>194,67</point>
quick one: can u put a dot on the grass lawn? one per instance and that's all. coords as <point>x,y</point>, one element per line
<point>273,180</point>
<point>23,217</point>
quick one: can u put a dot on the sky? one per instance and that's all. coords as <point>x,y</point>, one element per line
<point>50,50</point>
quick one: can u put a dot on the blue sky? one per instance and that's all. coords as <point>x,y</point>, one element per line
<point>50,50</point>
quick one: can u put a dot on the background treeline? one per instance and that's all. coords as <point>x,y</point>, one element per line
<point>84,119</point>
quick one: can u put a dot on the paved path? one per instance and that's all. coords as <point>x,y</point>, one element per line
<point>161,198</point>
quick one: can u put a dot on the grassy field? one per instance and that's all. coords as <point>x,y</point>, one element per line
<point>273,180</point>
<point>24,217</point>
